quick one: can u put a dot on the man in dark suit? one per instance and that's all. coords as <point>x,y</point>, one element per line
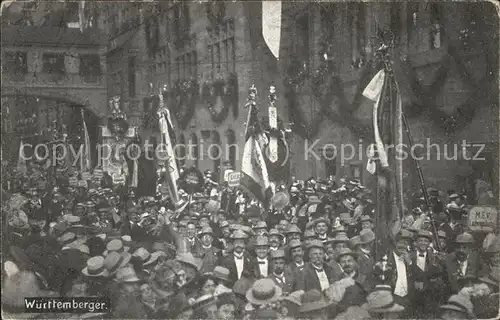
<point>316,274</point>
<point>365,251</point>
<point>262,267</point>
<point>450,228</point>
<point>282,276</point>
<point>239,261</point>
<point>296,252</point>
<point>399,262</point>
<point>427,273</point>
<point>464,262</point>
<point>209,254</point>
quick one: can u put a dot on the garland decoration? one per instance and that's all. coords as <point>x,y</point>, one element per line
<point>227,91</point>
<point>423,98</point>
<point>184,96</point>
<point>216,11</point>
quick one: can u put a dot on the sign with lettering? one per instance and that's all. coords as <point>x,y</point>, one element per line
<point>233,179</point>
<point>483,218</point>
<point>227,173</point>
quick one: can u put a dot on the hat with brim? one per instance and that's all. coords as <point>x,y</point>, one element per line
<point>203,302</point>
<point>424,234</point>
<point>127,275</point>
<point>115,261</point>
<point>320,220</point>
<point>313,300</point>
<point>346,252</point>
<point>460,303</point>
<point>366,236</point>
<point>189,259</point>
<point>394,307</point>
<point>491,278</point>
<point>465,238</point>
<point>154,257</point>
<point>382,301</point>
<point>263,291</point>
<point>95,267</point>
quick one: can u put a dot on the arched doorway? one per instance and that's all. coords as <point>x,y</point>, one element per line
<point>41,120</point>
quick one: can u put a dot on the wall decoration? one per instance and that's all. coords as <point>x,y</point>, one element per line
<point>117,120</point>
<point>184,96</point>
<point>227,91</point>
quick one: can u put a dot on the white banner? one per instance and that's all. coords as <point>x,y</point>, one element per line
<point>271,25</point>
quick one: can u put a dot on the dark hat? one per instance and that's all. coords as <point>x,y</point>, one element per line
<point>346,252</point>
<point>424,234</point>
<point>313,300</point>
<point>278,254</point>
<point>295,243</point>
<point>315,244</point>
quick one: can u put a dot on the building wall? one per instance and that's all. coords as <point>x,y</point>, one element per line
<point>415,45</point>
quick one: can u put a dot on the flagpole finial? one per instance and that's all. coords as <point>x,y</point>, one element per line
<point>272,94</point>
<point>252,96</point>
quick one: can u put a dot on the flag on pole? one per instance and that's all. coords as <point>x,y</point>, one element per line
<point>373,91</point>
<point>21,161</point>
<point>171,173</point>
<point>254,175</point>
<point>271,25</point>
<point>85,162</point>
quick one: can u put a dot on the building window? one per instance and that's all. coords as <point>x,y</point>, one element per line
<point>15,63</point>
<point>90,68</point>
<point>436,26</point>
<point>131,77</point>
<point>222,50</point>
<point>53,63</point>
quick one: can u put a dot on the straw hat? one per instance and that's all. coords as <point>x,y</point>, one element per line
<point>278,254</point>
<point>491,278</point>
<point>220,273</point>
<point>127,274</point>
<point>238,234</point>
<point>67,238</point>
<point>263,291</point>
<point>154,257</point>
<point>405,234</point>
<point>190,260</point>
<point>313,300</point>
<point>465,238</point>
<point>295,243</point>
<point>382,301</point>
<point>261,241</point>
<point>275,232</point>
<point>260,225</point>
<point>309,234</point>
<point>115,261</point>
<point>366,218</point>
<point>341,238</point>
<point>460,303</point>
<point>95,267</point>
<point>294,297</point>
<point>293,228</point>
<point>366,236</point>
<point>142,254</point>
<point>116,245</point>
<point>206,230</point>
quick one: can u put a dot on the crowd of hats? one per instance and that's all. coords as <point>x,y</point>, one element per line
<point>103,253</point>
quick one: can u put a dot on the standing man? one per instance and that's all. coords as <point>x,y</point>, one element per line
<point>317,274</point>
<point>239,259</point>
<point>192,241</point>
<point>463,262</point>
<point>365,251</point>
<point>427,274</point>
<point>297,254</point>
<point>206,251</point>
<point>281,275</point>
<point>262,268</point>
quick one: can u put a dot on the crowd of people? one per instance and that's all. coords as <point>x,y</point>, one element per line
<point>219,254</point>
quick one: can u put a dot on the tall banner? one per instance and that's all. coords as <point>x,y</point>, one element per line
<point>172,173</point>
<point>271,25</point>
<point>254,174</point>
<point>85,163</point>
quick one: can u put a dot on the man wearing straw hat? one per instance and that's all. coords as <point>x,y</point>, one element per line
<point>281,275</point>
<point>464,261</point>
<point>206,251</point>
<point>317,274</point>
<point>238,262</point>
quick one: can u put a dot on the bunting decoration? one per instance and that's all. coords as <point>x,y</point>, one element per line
<point>255,178</point>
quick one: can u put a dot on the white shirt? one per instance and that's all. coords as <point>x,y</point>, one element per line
<point>421,260</point>
<point>263,267</point>
<point>239,265</point>
<point>463,267</point>
<point>323,279</point>
<point>401,288</point>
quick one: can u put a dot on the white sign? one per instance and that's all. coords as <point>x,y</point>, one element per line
<point>227,173</point>
<point>233,179</point>
<point>483,218</point>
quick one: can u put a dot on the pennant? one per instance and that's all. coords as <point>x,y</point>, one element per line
<point>373,92</point>
<point>271,25</point>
